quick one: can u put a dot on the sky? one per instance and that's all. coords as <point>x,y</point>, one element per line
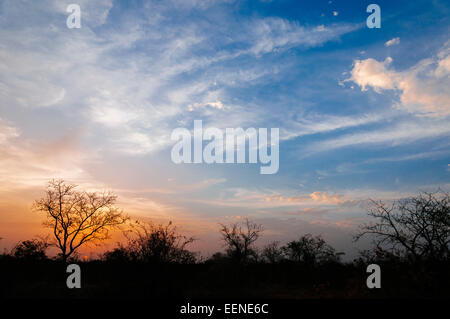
<point>362,112</point>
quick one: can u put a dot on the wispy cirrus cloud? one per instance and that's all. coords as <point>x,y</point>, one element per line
<point>398,134</point>
<point>97,105</point>
<point>325,123</point>
<point>271,34</point>
<point>137,101</point>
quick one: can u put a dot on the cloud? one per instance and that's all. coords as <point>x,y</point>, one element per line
<point>319,123</point>
<point>99,104</point>
<point>324,198</point>
<point>271,34</point>
<point>272,201</point>
<point>312,211</point>
<point>371,73</point>
<point>28,162</point>
<point>422,89</point>
<point>93,13</point>
<point>398,134</point>
<point>391,42</point>
<point>409,157</point>
<point>196,4</point>
<point>215,105</point>
<point>7,132</point>
<point>132,99</point>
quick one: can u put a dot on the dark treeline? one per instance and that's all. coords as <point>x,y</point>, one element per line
<point>411,242</point>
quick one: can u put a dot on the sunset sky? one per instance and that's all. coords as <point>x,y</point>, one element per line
<point>363,113</point>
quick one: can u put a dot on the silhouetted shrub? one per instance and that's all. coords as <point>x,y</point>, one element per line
<point>151,243</point>
<point>310,251</point>
<point>30,250</point>
<point>118,254</point>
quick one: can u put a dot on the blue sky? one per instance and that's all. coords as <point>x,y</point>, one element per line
<point>363,113</point>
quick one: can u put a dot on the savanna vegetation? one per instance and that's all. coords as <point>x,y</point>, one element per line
<point>411,242</point>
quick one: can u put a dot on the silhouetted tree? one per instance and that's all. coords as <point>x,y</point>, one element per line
<point>376,255</point>
<point>156,244</point>
<point>239,239</point>
<point>78,217</point>
<point>417,228</point>
<point>272,253</point>
<point>30,250</point>
<point>310,250</point>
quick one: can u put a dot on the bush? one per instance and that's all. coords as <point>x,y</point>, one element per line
<point>31,250</point>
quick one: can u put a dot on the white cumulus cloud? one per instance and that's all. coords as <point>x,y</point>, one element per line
<point>393,41</point>
<point>422,89</point>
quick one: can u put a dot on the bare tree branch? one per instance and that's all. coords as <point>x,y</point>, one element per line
<point>416,227</point>
<point>78,217</point>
